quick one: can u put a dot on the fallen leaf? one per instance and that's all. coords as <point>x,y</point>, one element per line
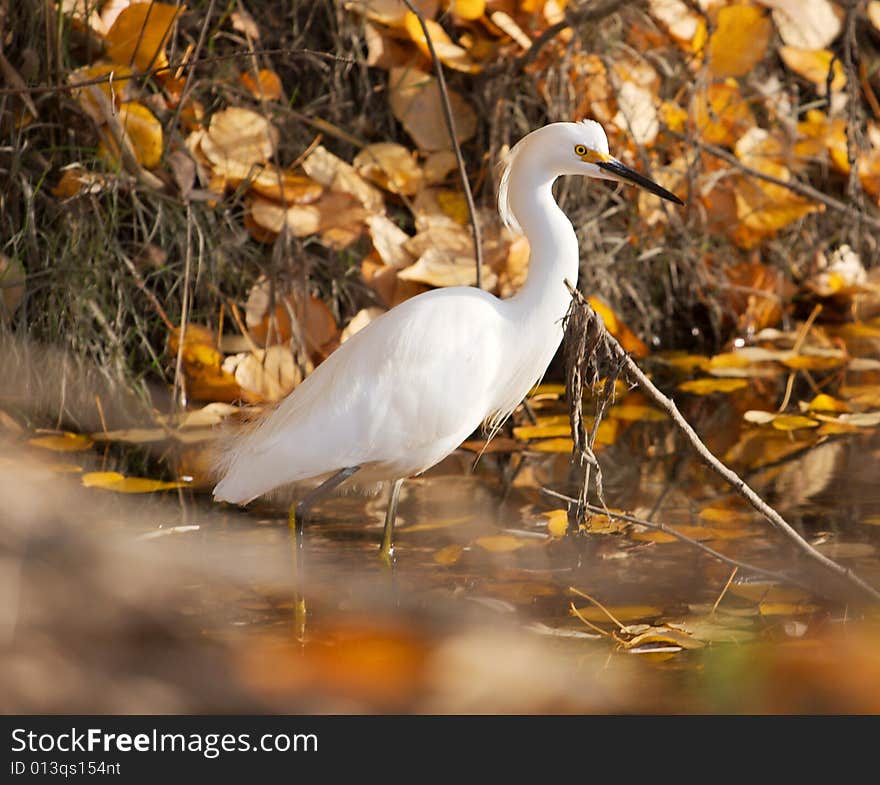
<point>500,543</point>
<point>415,101</point>
<point>390,166</point>
<point>63,442</point>
<point>739,41</point>
<point>113,481</point>
<point>267,374</point>
<point>709,385</point>
<point>266,86</point>
<point>137,37</point>
<point>815,65</point>
<point>812,25</point>
<point>448,53</point>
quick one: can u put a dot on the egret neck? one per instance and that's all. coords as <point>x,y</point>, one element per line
<point>543,300</point>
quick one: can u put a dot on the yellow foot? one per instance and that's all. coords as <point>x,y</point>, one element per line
<point>299,619</point>
<point>386,556</point>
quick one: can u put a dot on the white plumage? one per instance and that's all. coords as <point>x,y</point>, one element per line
<point>405,391</point>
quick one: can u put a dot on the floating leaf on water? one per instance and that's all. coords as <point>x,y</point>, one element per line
<point>449,554</point>
<point>623,613</point>
<point>781,422</point>
<point>542,431</point>
<point>709,385</point>
<point>804,362</point>
<point>710,629</point>
<point>758,591</point>
<point>846,550</point>
<point>557,522</point>
<point>63,442</point>
<point>825,403</point>
<point>683,361</point>
<point>633,412</point>
<point>786,608</point>
<point>552,445</point>
<point>664,635</point>
<point>500,543</point>
<point>113,481</point>
<point>728,512</point>
<point>443,523</point>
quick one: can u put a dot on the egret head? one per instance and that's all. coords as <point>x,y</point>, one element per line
<point>571,148</point>
<point>584,149</point>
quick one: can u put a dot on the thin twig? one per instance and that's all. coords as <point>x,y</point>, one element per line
<point>740,485</point>
<point>778,577</point>
<point>450,127</point>
<point>794,186</point>
<point>191,72</point>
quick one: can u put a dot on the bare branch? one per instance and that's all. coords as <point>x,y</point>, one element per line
<point>450,126</point>
<point>740,485</point>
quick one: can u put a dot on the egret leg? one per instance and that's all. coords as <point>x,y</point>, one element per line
<point>386,551</point>
<point>295,519</point>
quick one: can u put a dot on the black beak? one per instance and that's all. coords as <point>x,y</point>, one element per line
<point>624,173</point>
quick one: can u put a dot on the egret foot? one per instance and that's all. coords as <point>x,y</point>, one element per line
<point>386,550</point>
<point>295,519</point>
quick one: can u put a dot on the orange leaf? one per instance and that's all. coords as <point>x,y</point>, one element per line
<point>137,37</point>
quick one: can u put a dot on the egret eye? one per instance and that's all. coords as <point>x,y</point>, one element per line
<point>580,150</point>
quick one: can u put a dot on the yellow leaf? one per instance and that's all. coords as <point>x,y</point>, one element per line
<point>694,532</point>
<point>739,41</point>
<point>557,522</point>
<point>391,166</point>
<point>724,513</point>
<point>113,481</point>
<point>664,635</point>
<point>721,114</point>
<point>64,442</point>
<point>757,591</point>
<point>541,431</point>
<point>144,131</point>
<point>709,385</point>
<point>792,422</point>
<point>500,543</point>
<point>450,554</point>
<point>466,9</point>
<point>826,403</point>
<point>266,86</point>
<point>807,362</point>
<point>447,52</point>
<point>636,413</point>
<point>549,389</point>
<point>786,608</point>
<point>815,65</point>
<point>137,37</point>
<point>444,523</point>
<point>628,339</point>
<point>623,613</point>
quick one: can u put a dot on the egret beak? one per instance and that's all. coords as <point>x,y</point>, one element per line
<point>625,174</point>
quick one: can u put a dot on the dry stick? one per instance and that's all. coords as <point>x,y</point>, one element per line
<point>450,127</point>
<point>184,313</point>
<point>184,94</point>
<point>778,577</point>
<point>172,67</point>
<point>714,463</point>
<point>791,185</point>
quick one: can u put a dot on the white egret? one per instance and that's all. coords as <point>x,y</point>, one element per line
<point>405,391</point>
